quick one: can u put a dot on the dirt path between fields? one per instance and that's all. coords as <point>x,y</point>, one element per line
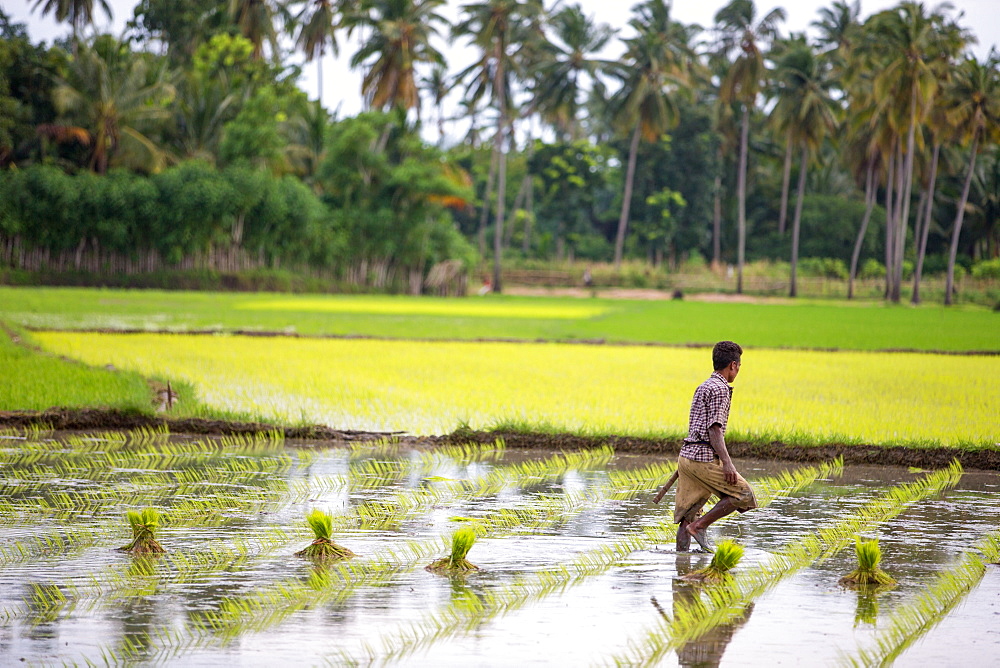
<point>99,419</point>
<point>649,294</point>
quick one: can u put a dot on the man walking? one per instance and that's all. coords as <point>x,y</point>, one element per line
<point>704,467</point>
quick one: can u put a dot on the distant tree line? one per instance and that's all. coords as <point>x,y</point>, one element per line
<point>875,142</point>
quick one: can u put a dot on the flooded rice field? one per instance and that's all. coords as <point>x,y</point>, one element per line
<point>576,564</point>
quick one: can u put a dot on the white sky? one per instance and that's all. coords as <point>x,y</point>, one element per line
<point>342,86</point>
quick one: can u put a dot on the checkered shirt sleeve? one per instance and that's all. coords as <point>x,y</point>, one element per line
<point>709,406</point>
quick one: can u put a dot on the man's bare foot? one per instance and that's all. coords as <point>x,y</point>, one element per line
<point>700,536</point>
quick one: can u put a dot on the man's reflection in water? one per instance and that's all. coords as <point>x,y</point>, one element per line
<point>708,649</point>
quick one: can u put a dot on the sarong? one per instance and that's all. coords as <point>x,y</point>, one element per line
<point>697,482</point>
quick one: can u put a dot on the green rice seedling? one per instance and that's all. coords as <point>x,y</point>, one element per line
<point>461,542</point>
<point>867,572</point>
<point>727,555</point>
<point>323,548</point>
<point>913,619</point>
<point>143,522</point>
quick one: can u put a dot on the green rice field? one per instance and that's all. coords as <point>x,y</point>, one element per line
<point>814,373</point>
<point>807,324</point>
<point>428,387</point>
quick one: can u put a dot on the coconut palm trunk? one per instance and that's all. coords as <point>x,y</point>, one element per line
<point>741,195</point>
<point>924,229</point>
<point>319,77</point>
<point>903,220</point>
<point>959,217</point>
<point>869,206</point>
<point>786,177</point>
<point>484,215</point>
<point>889,219</point>
<point>797,220</point>
<point>529,219</point>
<point>633,151</point>
<point>717,222</point>
<point>498,148</point>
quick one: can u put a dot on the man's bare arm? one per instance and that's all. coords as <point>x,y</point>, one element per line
<point>718,442</point>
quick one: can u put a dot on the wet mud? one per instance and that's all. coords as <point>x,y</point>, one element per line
<point>100,419</point>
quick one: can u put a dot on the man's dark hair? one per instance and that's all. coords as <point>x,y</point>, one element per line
<point>725,352</point>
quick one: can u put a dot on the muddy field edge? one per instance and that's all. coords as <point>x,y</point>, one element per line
<point>101,419</point>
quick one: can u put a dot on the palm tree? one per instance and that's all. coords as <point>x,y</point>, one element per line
<point>837,25</point>
<point>976,112</point>
<point>400,37</point>
<point>938,130</point>
<point>657,60</point>
<point>904,44</point>
<point>255,20</point>
<point>862,157</point>
<point>742,37</point>
<point>115,95</point>
<point>202,107</point>
<point>805,110</point>
<point>307,133</point>
<point>78,13</point>
<point>563,63</point>
<point>494,28</point>
<point>318,21</point>
<point>438,85</point>
<point>778,48</point>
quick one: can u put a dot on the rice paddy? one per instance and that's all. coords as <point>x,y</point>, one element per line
<point>801,397</point>
<point>150,547</point>
<point>569,552</point>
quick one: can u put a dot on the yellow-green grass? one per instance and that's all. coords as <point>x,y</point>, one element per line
<point>800,397</point>
<point>570,310</point>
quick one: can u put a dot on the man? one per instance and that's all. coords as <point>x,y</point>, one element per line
<point>704,467</point>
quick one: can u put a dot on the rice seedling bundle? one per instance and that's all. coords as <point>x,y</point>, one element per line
<point>868,572</point>
<point>144,523</point>
<point>461,542</point>
<point>323,548</point>
<point>727,555</point>
<point>383,386</point>
<point>910,621</point>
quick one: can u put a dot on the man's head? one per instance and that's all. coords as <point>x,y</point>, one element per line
<point>726,357</point>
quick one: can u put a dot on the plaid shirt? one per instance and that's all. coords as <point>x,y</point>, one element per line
<point>709,406</point>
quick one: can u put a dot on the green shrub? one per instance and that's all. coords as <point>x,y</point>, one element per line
<point>987,269</point>
<point>871,268</point>
<point>823,267</point>
<point>694,263</point>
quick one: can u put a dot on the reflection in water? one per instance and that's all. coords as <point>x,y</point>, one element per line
<point>140,613</point>
<point>867,610</point>
<point>708,649</point>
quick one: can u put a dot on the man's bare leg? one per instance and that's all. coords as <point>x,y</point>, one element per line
<point>725,506</point>
<point>683,537</point>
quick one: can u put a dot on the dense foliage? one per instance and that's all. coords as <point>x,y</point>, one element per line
<point>189,139</point>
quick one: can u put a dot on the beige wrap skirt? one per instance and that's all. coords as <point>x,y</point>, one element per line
<point>697,482</point>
